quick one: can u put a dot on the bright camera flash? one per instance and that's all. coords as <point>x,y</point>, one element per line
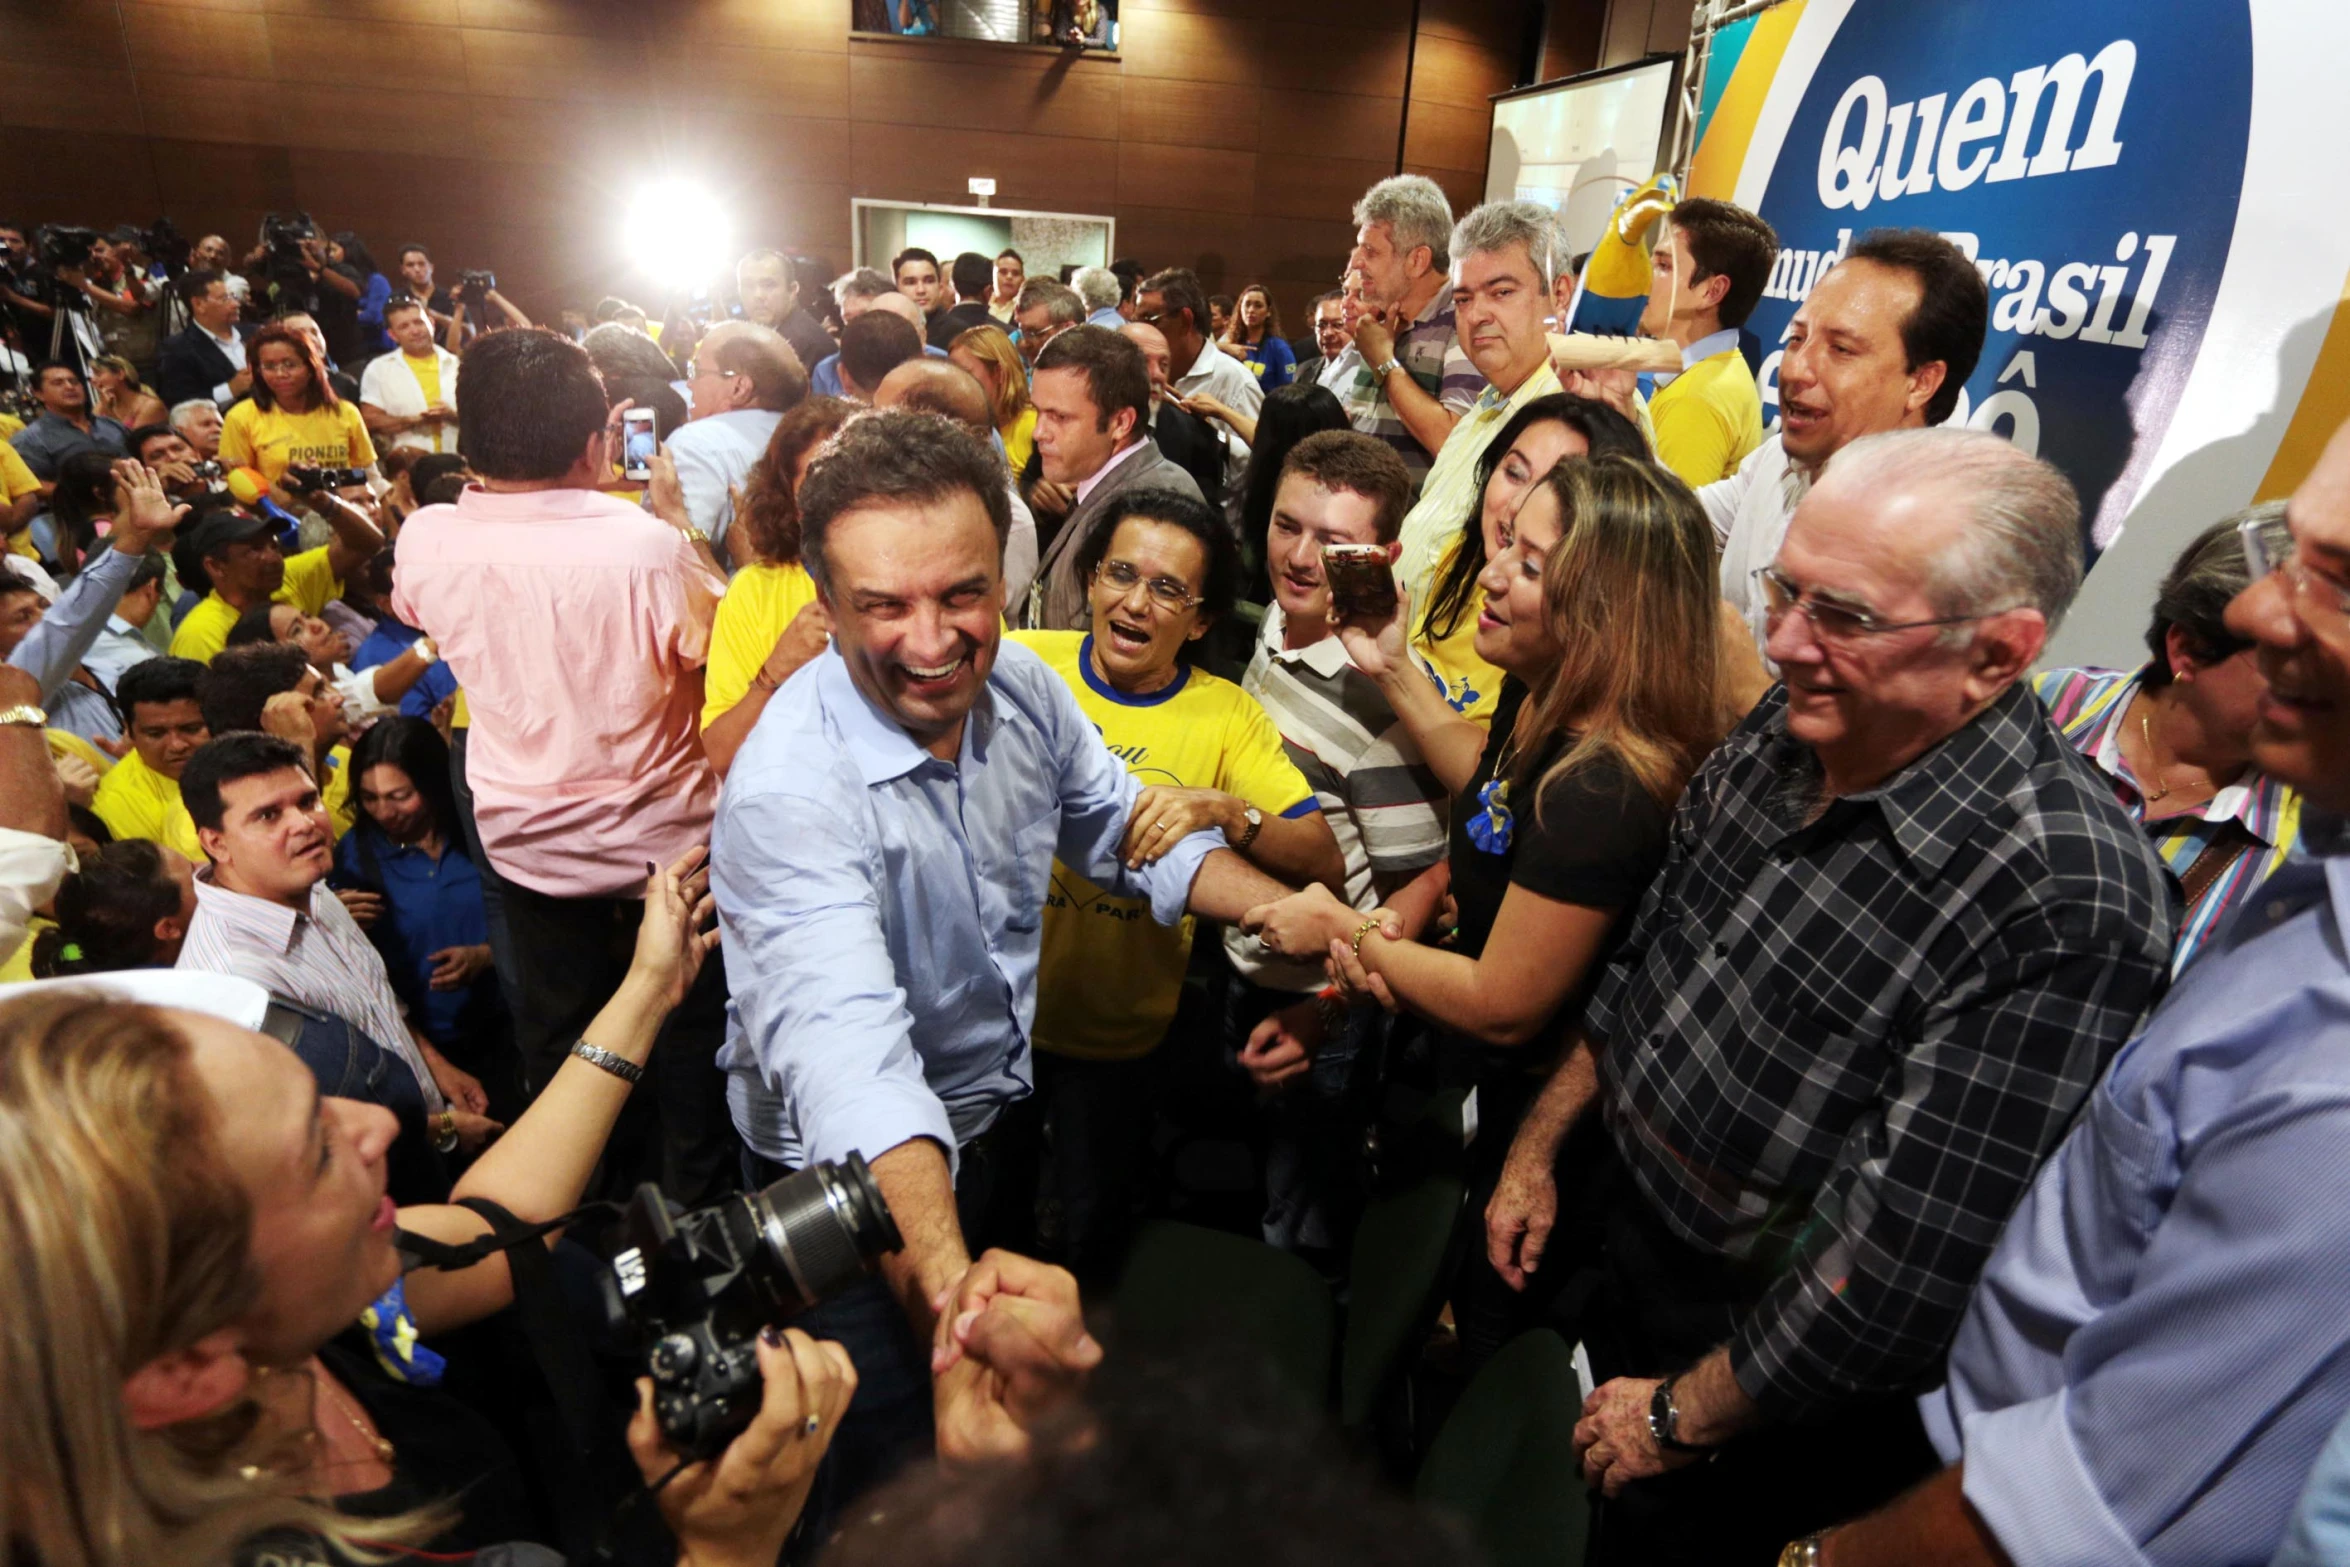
<point>678,233</point>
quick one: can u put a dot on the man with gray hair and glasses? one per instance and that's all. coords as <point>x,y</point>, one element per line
<point>1416,379</point>
<point>1902,930</point>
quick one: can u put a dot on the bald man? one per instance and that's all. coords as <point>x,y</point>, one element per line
<point>936,386</point>
<point>1185,439</point>
<point>742,380</point>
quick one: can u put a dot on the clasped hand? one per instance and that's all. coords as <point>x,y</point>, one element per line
<point>1010,1349</point>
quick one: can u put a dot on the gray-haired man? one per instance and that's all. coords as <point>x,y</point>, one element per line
<point>1417,379</point>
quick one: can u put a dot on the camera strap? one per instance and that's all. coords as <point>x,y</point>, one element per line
<point>506,1233</point>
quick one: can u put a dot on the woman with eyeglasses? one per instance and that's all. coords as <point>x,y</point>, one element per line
<point>1160,569</point>
<point>2174,735</point>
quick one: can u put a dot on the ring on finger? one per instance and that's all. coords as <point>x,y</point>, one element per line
<point>809,1425</point>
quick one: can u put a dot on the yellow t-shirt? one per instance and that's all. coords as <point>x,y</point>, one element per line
<point>1470,685</point>
<point>19,967</point>
<point>267,440</point>
<point>1020,439</point>
<point>310,583</point>
<point>135,801</point>
<point>760,602</point>
<point>1708,418</point>
<point>428,381</point>
<point>335,795</point>
<point>16,482</point>
<point>9,425</point>
<point>1110,975</point>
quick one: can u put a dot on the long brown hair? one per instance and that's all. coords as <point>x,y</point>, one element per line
<point>322,389</point>
<point>1238,331</point>
<point>1630,597</point>
<point>128,1238</point>
<point>769,519</point>
<point>1011,377</point>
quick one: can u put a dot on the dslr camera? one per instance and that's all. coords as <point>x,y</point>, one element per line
<point>694,1289</point>
<point>212,475</point>
<point>473,288</point>
<point>302,479</point>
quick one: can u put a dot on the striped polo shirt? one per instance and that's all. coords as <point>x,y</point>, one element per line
<point>2088,706</point>
<point>1431,354</point>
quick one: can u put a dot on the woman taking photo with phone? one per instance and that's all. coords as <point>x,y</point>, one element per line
<point>292,419</point>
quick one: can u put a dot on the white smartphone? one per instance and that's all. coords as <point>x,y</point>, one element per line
<point>637,444</point>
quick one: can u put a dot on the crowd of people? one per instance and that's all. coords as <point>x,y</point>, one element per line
<point>1909,1075</point>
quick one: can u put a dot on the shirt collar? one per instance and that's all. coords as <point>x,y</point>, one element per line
<point>1110,693</point>
<point>1087,486</point>
<point>2257,802</point>
<point>877,742</point>
<point>1205,363</point>
<point>258,918</point>
<point>1723,342</point>
<point>1326,658</point>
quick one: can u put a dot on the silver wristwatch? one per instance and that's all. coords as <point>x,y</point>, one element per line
<point>627,1071</point>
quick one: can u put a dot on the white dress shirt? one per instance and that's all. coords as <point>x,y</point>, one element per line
<point>232,345</point>
<point>1750,511</point>
<point>389,384</point>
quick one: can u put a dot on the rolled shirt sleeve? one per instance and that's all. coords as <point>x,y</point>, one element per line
<point>814,989</point>
<point>66,632</point>
<point>1097,801</point>
<point>1911,1210</point>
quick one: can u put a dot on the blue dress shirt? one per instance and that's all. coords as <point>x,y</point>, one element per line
<point>883,909</point>
<point>2160,1345</point>
<point>824,380</point>
<point>429,904</point>
<point>388,641</point>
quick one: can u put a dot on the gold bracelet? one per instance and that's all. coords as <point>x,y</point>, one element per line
<point>1362,930</point>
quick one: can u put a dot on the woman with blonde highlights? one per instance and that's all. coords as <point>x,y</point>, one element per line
<point>192,1233</point>
<point>992,360</point>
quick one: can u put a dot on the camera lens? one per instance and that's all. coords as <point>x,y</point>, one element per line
<point>824,1225</point>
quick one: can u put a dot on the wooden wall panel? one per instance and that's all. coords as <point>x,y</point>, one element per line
<point>1232,136</point>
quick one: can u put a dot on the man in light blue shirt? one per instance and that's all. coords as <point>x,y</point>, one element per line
<point>51,649</point>
<point>881,861</point>
<point>2160,1345</point>
<point>124,641</point>
<point>742,379</point>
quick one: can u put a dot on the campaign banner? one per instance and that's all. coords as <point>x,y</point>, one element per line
<point>2147,189</point>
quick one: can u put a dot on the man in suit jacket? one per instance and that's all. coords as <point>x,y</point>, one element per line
<point>1092,393</point>
<point>208,359</point>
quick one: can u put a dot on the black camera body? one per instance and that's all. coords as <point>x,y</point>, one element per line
<point>473,288</point>
<point>212,474</point>
<point>282,236</point>
<point>303,479</point>
<point>696,1288</point>
<point>64,245</point>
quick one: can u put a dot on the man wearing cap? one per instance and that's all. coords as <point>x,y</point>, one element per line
<point>238,551</point>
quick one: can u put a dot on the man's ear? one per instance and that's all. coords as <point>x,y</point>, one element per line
<point>1924,382</point>
<point>2004,649</point>
<point>171,928</point>
<point>202,1379</point>
<point>1120,434</point>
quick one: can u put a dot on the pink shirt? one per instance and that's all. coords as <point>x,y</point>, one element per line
<point>576,624</point>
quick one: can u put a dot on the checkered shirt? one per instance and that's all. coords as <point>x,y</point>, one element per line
<point>1836,1053</point>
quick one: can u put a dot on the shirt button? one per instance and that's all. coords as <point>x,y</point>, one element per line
<point>1721,949</point>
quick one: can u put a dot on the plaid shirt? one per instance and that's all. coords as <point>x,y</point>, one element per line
<point>1835,1053</point>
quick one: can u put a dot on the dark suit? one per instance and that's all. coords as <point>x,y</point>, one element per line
<point>948,325</point>
<point>190,364</point>
<point>1195,446</point>
<point>1064,606</point>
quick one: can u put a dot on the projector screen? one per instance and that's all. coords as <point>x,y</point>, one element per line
<point>1578,145</point>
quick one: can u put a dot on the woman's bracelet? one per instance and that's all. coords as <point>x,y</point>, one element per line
<point>1362,930</point>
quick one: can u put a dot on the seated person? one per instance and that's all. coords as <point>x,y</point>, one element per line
<point>233,557</point>
<point>1161,569</point>
<point>162,716</point>
<point>128,906</point>
<point>214,1233</point>
<point>292,417</point>
<point>406,877</point>
<point>769,623</point>
<point>2175,734</point>
<point>271,687</point>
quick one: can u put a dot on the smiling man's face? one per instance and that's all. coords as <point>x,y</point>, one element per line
<point>916,593</point>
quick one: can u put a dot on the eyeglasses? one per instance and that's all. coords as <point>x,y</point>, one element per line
<point>2312,595</point>
<point>1841,622</point>
<point>695,370</point>
<point>1165,592</point>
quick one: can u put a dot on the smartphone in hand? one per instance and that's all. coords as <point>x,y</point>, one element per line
<point>1362,580</point>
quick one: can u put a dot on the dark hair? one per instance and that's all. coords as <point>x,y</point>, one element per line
<point>893,454</point>
<point>430,466</point>
<point>399,302</point>
<point>416,748</point>
<point>2195,592</point>
<point>1315,304</point>
<point>1178,288</point>
<point>532,402</point>
<point>444,490</point>
<point>1605,431</point>
<point>911,253</point>
<point>769,518</point>
<point>1116,374</point>
<point>1219,580</point>
<point>148,570</point>
<point>1363,464</point>
<point>67,365</point>
<point>1168,1463</point>
<point>778,379</point>
<point>356,254</point>
<point>84,493</point>
<point>411,250</point>
<point>1953,310</point>
<point>193,284</point>
<point>974,274</point>
<point>107,912</point>
<point>227,758</point>
<point>239,682</point>
<point>874,344</point>
<point>157,681</point>
<point>253,626</point>
<point>1272,326</point>
<point>1130,274</point>
<point>1726,240</point>
<point>279,335</point>
<point>137,440</point>
<point>1291,413</point>
<point>80,819</point>
<point>1015,255</point>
